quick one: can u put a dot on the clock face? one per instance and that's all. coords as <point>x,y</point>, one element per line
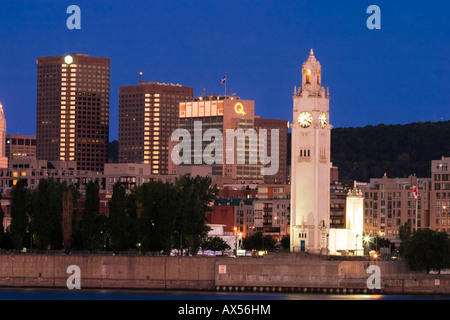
<point>305,119</point>
<point>323,119</point>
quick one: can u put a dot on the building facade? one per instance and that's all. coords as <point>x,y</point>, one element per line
<point>20,146</point>
<point>310,162</point>
<point>218,116</point>
<point>73,110</point>
<point>391,202</point>
<point>440,195</point>
<point>148,115</point>
<point>3,158</point>
<point>279,142</point>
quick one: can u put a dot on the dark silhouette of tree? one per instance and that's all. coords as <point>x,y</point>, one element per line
<point>19,214</point>
<point>118,231</point>
<point>427,250</point>
<point>90,223</point>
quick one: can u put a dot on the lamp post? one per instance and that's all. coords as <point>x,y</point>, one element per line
<point>356,245</point>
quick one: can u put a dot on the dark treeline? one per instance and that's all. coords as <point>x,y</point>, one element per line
<point>155,217</point>
<point>397,150</point>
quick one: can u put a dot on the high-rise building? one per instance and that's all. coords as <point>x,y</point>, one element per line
<point>227,116</point>
<point>73,110</point>
<point>3,158</point>
<point>148,114</point>
<point>281,126</point>
<point>310,152</point>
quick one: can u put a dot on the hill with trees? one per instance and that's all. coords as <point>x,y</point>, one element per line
<point>397,150</point>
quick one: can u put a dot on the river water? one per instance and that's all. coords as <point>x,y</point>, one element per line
<point>110,294</point>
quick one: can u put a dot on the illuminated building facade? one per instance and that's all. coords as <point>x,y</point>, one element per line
<point>310,162</point>
<point>223,113</point>
<point>282,126</point>
<point>19,146</point>
<point>73,110</point>
<point>3,158</point>
<point>148,114</point>
<point>440,195</point>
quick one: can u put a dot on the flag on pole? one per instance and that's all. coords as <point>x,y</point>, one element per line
<point>415,192</point>
<point>224,79</point>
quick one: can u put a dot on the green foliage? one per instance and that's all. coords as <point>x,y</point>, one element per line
<point>258,242</point>
<point>194,196</point>
<point>118,220</point>
<point>19,214</point>
<point>159,216</point>
<point>397,150</point>
<point>427,250</point>
<point>286,242</point>
<point>91,226</point>
<point>215,244</point>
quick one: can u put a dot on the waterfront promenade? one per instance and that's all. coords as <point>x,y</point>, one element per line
<point>275,273</point>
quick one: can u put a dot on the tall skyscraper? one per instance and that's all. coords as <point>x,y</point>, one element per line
<point>73,110</point>
<point>310,152</point>
<point>3,158</point>
<point>281,143</point>
<point>223,113</point>
<point>148,114</point>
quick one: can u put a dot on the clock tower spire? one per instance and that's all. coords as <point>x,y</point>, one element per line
<point>310,176</point>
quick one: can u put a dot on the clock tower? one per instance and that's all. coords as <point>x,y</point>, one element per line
<point>310,175</point>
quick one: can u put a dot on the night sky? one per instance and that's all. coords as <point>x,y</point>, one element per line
<point>398,74</point>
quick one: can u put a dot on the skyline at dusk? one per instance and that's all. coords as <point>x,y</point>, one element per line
<point>394,75</point>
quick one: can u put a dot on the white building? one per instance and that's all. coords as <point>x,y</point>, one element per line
<point>310,175</point>
<point>350,239</point>
<point>310,163</point>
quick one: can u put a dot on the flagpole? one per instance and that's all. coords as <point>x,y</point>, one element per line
<point>225,86</point>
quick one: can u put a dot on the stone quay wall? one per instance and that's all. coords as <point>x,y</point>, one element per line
<point>273,273</point>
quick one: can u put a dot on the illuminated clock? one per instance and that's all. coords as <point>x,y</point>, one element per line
<point>305,119</point>
<point>323,119</point>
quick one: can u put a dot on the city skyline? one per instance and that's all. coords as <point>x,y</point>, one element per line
<point>393,75</point>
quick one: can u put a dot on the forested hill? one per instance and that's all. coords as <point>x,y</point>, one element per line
<point>397,150</point>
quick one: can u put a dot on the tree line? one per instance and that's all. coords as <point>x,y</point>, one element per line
<point>397,150</point>
<point>155,216</point>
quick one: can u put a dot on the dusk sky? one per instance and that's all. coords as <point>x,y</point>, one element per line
<point>396,75</point>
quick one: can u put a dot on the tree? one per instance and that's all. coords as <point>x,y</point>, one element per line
<point>90,223</point>
<point>41,215</point>
<point>118,231</point>
<point>194,197</point>
<point>258,242</point>
<point>2,227</point>
<point>427,250</point>
<point>404,232</point>
<point>67,219</point>
<point>19,214</point>
<point>215,244</point>
<point>286,242</point>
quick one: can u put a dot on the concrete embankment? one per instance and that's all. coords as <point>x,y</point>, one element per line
<point>274,273</point>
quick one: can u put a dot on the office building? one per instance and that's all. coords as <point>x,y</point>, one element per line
<point>281,127</point>
<point>19,146</point>
<point>73,110</point>
<point>148,114</point>
<point>222,116</point>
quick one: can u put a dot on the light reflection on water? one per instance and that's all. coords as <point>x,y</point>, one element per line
<point>107,294</point>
